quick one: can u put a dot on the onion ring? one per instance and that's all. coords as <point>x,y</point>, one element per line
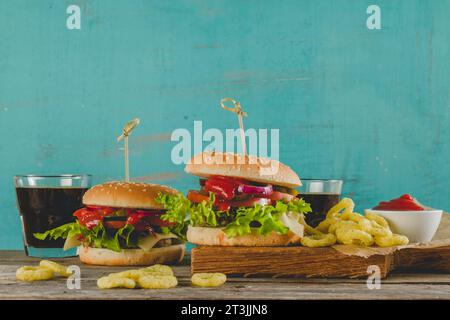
<point>129,274</point>
<point>208,279</point>
<point>354,236</point>
<point>378,219</point>
<point>113,282</point>
<point>154,281</point>
<point>394,240</point>
<point>159,269</point>
<point>346,204</point>
<point>315,241</point>
<point>28,273</point>
<point>55,267</point>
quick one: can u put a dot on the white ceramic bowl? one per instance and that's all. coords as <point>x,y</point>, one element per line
<point>418,226</point>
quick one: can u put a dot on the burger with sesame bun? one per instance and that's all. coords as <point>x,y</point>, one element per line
<point>240,201</point>
<point>122,224</point>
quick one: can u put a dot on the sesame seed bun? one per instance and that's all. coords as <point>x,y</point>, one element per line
<point>252,168</point>
<point>133,195</point>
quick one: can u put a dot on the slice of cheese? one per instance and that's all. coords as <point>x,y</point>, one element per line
<point>291,220</point>
<point>148,242</point>
<point>71,242</point>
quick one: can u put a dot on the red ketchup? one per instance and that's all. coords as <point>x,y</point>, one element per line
<point>405,203</point>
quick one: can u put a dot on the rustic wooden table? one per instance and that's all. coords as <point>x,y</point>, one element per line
<point>396,286</point>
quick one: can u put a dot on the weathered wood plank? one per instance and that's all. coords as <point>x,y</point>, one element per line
<point>58,290</point>
<point>396,286</point>
<point>7,275</point>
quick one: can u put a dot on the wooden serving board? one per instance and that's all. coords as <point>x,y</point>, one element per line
<point>313,262</point>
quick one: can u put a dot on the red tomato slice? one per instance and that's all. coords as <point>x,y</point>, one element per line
<point>91,216</point>
<point>88,217</point>
<point>114,224</point>
<point>157,221</point>
<point>143,222</point>
<point>223,187</point>
<point>250,202</point>
<point>277,196</point>
<point>82,212</point>
<point>101,210</point>
<point>197,197</point>
<point>150,212</point>
<point>223,206</point>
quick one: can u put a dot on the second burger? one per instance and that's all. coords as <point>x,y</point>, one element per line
<point>237,203</point>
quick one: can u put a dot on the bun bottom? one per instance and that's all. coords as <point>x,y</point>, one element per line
<point>132,257</point>
<point>216,237</point>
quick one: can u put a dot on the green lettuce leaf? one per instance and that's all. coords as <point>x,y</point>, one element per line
<point>64,231</point>
<point>264,219</point>
<point>261,219</point>
<point>203,214</point>
<point>96,237</point>
<point>177,211</point>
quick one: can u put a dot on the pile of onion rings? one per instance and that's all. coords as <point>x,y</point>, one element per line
<point>344,226</point>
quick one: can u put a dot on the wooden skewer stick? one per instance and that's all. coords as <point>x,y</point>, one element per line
<point>126,131</point>
<point>240,114</point>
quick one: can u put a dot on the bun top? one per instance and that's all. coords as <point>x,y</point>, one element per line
<point>120,194</point>
<point>252,168</point>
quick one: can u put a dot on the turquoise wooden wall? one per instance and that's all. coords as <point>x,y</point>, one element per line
<point>369,106</point>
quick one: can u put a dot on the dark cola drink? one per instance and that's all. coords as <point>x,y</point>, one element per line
<point>320,203</point>
<point>43,208</point>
